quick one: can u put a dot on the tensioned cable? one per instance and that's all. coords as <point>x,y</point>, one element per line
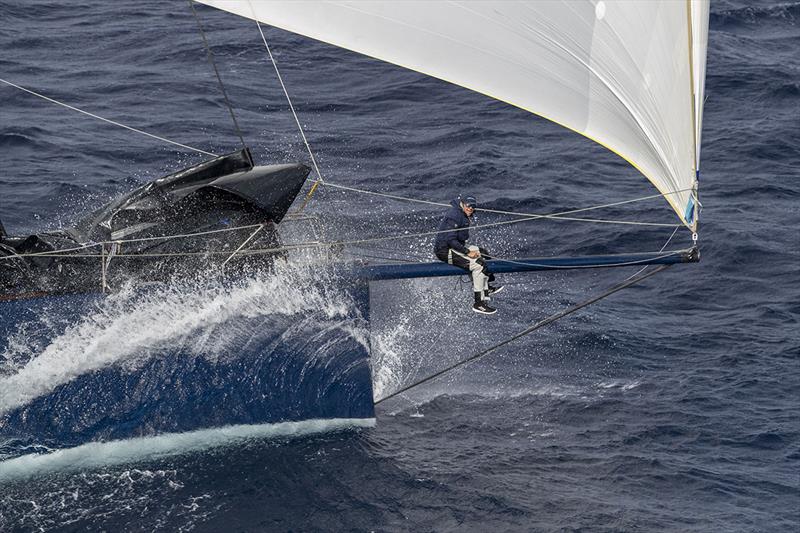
<point>210,56</point>
<point>291,106</point>
<point>555,216</point>
<point>98,117</point>
<point>362,241</point>
<point>56,253</point>
<point>515,213</point>
<point>602,206</point>
<point>534,327</point>
<point>125,241</point>
<point>254,251</point>
<point>382,258</point>
<point>311,245</point>
<point>334,243</point>
<point>250,238</point>
<point>578,267</point>
<point>429,233</point>
<point>418,257</point>
<point>661,250</point>
<point>525,216</point>
<point>513,262</point>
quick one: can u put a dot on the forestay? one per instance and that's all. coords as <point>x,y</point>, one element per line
<point>626,74</point>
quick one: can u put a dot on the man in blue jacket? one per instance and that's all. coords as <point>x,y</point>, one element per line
<point>451,247</point>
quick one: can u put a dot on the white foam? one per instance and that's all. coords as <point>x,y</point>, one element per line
<point>100,454</point>
<point>619,384</point>
<point>389,365</point>
<point>413,325</point>
<point>126,328</point>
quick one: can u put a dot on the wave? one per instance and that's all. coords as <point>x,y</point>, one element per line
<point>100,454</point>
<point>788,13</point>
<point>18,141</point>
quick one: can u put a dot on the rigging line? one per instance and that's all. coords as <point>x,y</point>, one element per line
<point>62,104</point>
<point>429,233</point>
<point>661,250</point>
<point>418,256</point>
<point>383,258</point>
<point>56,253</point>
<point>185,235</point>
<point>514,213</point>
<point>52,253</point>
<point>581,210</point>
<point>554,216</point>
<point>291,107</point>
<point>242,245</point>
<point>626,263</point>
<point>252,251</point>
<point>319,244</point>
<point>61,252</point>
<point>536,326</point>
<point>312,245</point>
<point>385,195</point>
<point>210,56</point>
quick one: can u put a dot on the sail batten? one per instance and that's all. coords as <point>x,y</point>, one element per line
<point>627,74</point>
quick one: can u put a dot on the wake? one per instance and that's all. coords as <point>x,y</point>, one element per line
<point>102,454</point>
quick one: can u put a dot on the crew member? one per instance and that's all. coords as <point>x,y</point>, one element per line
<point>451,247</point>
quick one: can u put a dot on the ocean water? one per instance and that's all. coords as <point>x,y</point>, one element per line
<point>672,406</point>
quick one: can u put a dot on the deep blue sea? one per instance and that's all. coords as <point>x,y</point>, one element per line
<point>671,406</point>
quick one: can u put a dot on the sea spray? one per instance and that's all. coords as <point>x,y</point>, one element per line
<point>131,326</point>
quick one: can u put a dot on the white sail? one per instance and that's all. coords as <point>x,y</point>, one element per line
<point>628,74</point>
<point>699,46</point>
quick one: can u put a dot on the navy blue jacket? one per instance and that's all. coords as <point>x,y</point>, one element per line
<point>456,220</point>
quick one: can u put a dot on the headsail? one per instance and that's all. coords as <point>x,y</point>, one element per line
<point>699,14</point>
<point>627,74</point>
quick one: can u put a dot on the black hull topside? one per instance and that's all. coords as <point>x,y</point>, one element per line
<point>178,225</point>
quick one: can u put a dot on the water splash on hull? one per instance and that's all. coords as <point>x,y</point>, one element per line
<point>287,346</point>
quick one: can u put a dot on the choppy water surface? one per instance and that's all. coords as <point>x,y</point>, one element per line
<point>671,406</point>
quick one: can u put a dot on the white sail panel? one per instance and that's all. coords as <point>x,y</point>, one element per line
<point>619,72</point>
<point>700,11</point>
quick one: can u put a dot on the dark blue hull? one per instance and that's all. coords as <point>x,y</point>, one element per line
<point>279,367</point>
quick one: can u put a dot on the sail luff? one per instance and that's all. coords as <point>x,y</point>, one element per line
<point>692,86</point>
<point>700,14</point>
<point>621,73</point>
